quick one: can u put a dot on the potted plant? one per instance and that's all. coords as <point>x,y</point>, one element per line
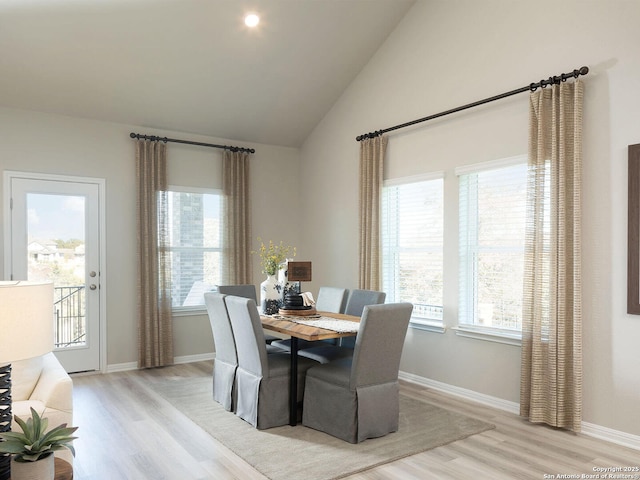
<point>33,448</point>
<point>271,258</point>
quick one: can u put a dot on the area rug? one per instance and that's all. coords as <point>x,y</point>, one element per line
<point>302,453</point>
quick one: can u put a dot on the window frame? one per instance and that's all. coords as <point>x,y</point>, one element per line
<point>180,311</point>
<point>418,322</point>
<point>466,328</point>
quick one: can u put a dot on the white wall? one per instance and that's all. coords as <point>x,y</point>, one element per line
<point>39,142</point>
<point>449,53</point>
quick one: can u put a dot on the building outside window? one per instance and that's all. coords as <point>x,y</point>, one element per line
<point>195,245</point>
<point>492,203</point>
<point>412,246</point>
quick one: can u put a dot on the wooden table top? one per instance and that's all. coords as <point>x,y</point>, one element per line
<point>307,332</point>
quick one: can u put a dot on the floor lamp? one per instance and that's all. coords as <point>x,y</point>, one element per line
<point>26,331</point>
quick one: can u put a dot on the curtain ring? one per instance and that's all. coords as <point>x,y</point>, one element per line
<point>533,87</point>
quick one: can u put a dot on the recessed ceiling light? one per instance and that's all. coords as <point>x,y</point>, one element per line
<point>251,20</point>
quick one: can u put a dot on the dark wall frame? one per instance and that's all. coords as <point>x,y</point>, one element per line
<point>633,233</point>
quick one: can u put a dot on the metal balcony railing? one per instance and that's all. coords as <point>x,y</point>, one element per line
<point>69,309</point>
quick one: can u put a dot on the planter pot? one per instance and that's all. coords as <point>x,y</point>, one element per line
<point>43,469</point>
<point>270,295</point>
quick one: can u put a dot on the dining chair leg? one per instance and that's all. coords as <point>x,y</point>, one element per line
<point>293,384</point>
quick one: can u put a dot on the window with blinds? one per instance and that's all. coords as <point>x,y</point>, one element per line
<point>194,245</point>
<point>412,239</point>
<point>492,202</point>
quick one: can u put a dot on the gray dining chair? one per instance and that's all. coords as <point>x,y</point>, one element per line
<point>262,378</point>
<point>330,299</point>
<point>226,360</point>
<point>246,291</point>
<point>357,397</point>
<point>358,299</point>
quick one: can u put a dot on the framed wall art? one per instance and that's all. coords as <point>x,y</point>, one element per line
<point>633,233</point>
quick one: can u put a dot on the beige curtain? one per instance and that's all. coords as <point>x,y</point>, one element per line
<point>155,329</point>
<point>236,243</point>
<point>551,382</point>
<point>372,152</point>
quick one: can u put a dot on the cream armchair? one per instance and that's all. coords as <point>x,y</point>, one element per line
<point>42,383</point>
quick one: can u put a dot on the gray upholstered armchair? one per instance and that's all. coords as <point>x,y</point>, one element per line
<point>355,398</point>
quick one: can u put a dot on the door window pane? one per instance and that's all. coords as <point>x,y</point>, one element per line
<point>56,250</point>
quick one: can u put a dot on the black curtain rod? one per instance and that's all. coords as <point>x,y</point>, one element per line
<point>531,87</point>
<point>154,138</point>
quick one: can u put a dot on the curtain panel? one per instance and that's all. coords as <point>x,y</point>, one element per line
<point>372,152</point>
<point>155,328</point>
<point>551,380</point>
<point>236,210</point>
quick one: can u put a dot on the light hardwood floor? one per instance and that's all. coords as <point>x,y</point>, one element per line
<point>127,432</point>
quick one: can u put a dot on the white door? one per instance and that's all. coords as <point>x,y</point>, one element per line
<point>54,235</point>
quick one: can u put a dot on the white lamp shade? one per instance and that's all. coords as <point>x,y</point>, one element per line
<point>26,320</point>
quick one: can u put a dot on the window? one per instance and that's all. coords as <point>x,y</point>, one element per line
<point>412,239</point>
<point>194,244</point>
<point>492,234</point>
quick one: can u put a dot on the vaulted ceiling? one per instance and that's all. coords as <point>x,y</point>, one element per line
<point>190,65</point>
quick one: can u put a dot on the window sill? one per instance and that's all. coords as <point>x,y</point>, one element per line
<point>489,334</point>
<point>434,326</point>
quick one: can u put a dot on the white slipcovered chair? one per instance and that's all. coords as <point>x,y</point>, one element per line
<point>42,383</point>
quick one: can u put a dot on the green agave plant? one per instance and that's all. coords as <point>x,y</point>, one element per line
<point>33,443</point>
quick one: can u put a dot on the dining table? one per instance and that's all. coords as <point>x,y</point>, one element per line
<point>289,325</point>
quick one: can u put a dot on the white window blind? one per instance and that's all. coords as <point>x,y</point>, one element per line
<point>492,202</point>
<point>195,245</point>
<point>412,239</point>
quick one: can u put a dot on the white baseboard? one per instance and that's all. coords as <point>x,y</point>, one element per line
<point>194,358</point>
<point>603,433</point>
<point>488,400</point>
<point>123,367</point>
<point>610,435</point>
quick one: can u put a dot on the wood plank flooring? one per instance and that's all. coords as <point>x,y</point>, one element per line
<point>127,432</point>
